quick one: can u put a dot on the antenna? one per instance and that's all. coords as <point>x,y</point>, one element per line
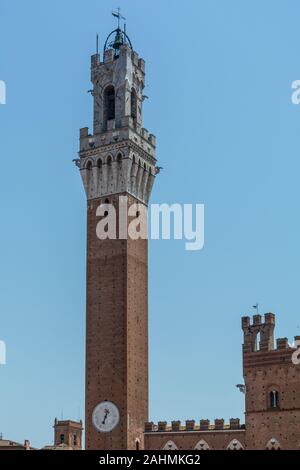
<point>97,44</point>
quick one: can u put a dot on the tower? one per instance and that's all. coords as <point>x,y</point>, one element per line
<point>117,166</point>
<point>272,380</point>
<point>68,433</point>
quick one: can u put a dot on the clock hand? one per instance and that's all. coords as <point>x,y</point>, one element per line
<point>105,415</point>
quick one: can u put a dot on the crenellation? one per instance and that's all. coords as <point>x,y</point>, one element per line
<point>234,423</point>
<point>149,426</point>
<point>145,133</point>
<point>135,58</point>
<point>95,60</point>
<point>141,65</point>
<point>282,343</point>
<point>176,425</point>
<point>219,424</point>
<point>204,424</point>
<point>191,426</point>
<point>108,56</point>
<point>162,426</point>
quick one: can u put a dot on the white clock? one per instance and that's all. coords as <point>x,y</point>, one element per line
<point>105,416</point>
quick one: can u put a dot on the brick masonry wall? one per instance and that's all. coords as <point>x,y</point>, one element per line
<point>264,372</point>
<point>216,440</point>
<point>116,334</point>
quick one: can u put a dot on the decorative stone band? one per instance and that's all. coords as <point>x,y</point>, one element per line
<point>104,175</point>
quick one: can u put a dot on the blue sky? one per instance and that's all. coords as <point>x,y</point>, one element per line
<point>219,80</point>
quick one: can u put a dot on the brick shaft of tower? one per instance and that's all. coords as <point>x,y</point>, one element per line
<point>118,159</point>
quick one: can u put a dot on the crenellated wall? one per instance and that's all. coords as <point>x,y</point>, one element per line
<point>200,436</point>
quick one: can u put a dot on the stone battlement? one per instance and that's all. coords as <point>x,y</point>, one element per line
<point>190,425</point>
<point>259,334</point>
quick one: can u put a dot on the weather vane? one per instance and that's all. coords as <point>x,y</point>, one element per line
<point>255,307</point>
<point>118,15</point>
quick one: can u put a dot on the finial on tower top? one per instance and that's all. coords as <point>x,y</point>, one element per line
<point>118,15</point>
<point>119,35</point>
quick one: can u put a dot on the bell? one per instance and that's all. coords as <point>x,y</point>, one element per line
<point>118,40</point>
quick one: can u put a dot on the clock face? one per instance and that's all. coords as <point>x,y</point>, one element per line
<point>105,416</point>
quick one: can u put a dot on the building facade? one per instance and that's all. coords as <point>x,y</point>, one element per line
<point>118,166</point>
<point>272,401</point>
<point>117,163</point>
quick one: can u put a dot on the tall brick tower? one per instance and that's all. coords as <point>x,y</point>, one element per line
<point>118,159</point>
<point>272,382</point>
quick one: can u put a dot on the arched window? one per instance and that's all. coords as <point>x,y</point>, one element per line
<point>119,158</point>
<point>137,444</point>
<point>62,438</point>
<point>235,445</point>
<point>89,165</point>
<point>133,105</point>
<point>170,445</point>
<point>99,163</point>
<point>202,445</point>
<point>273,444</point>
<point>274,399</point>
<point>109,103</point>
<point>75,440</point>
<point>109,160</point>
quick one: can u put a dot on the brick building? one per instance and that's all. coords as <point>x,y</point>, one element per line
<point>117,163</point>
<point>272,401</point>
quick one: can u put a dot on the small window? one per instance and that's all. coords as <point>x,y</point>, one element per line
<point>109,100</point>
<point>99,163</point>
<point>62,438</point>
<point>75,440</point>
<point>133,106</point>
<point>89,165</point>
<point>137,445</point>
<point>274,399</point>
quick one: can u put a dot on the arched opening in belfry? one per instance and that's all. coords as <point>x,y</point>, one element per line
<point>109,103</point>
<point>134,106</point>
